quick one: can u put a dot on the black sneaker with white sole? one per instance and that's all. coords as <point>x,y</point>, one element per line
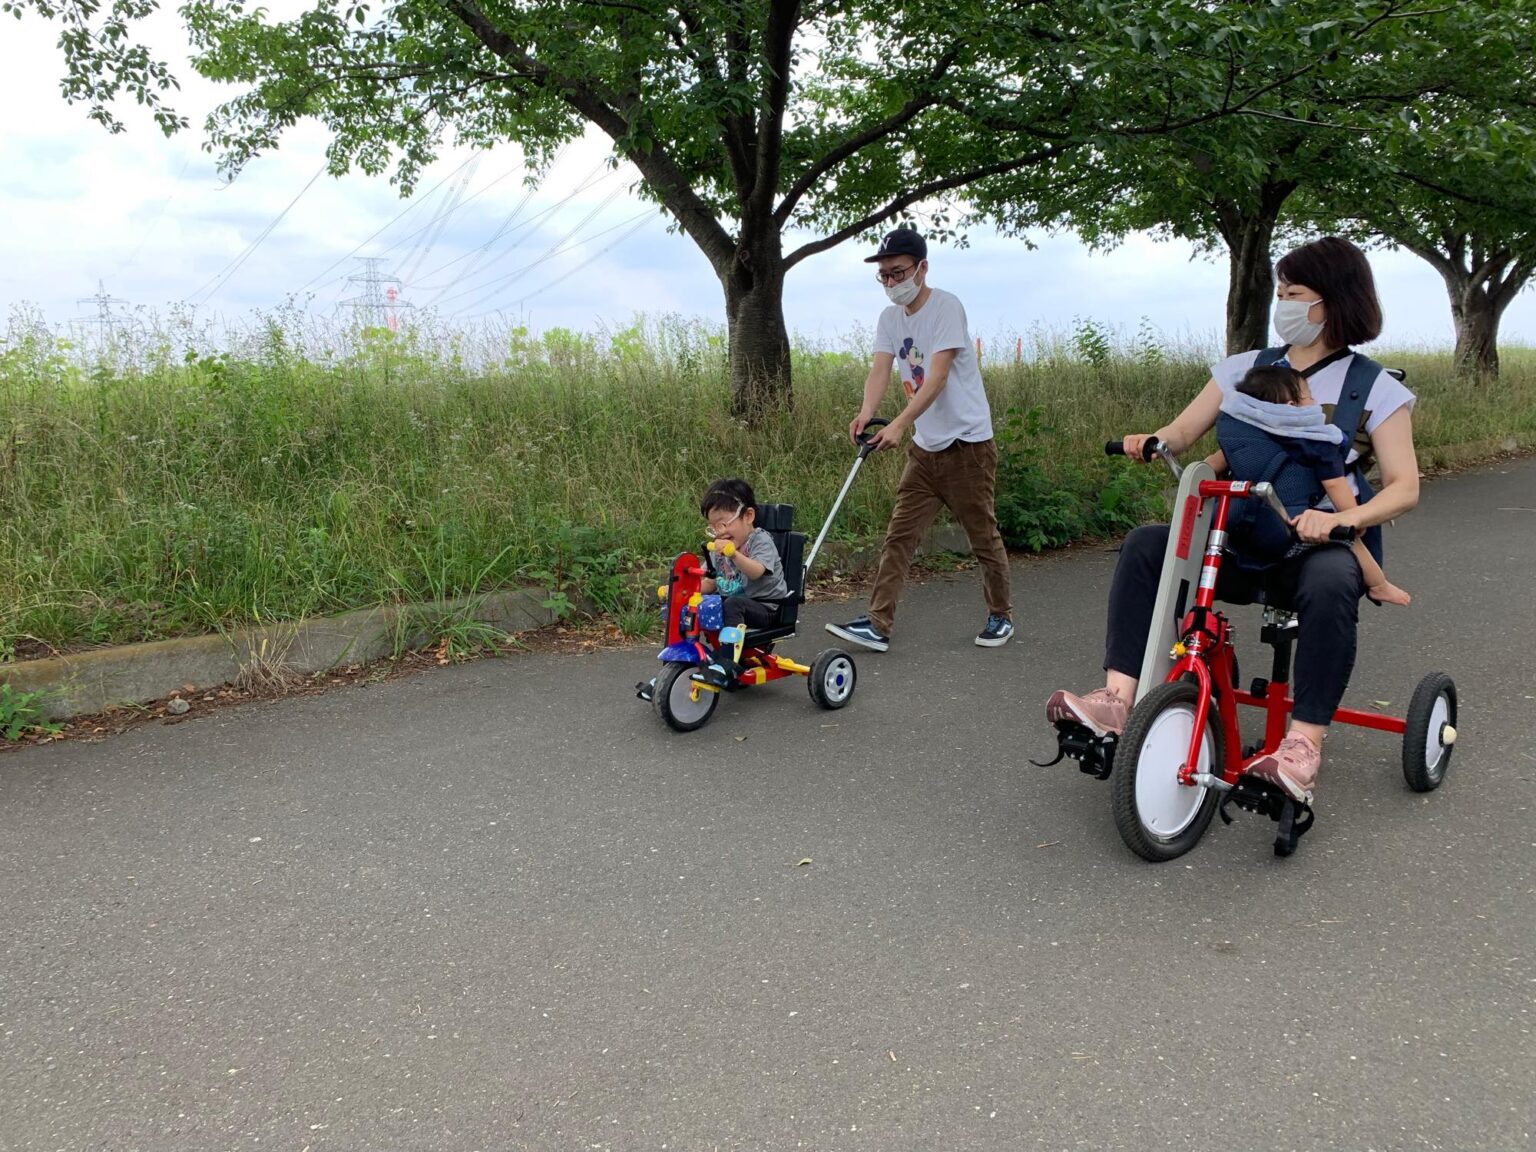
<point>861,632</point>
<point>996,633</point>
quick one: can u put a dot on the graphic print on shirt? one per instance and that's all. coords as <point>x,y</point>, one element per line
<point>914,360</point>
<point>728,578</point>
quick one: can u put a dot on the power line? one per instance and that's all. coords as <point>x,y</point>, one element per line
<point>223,278</point>
<point>553,250</point>
<point>591,179</point>
<point>636,222</point>
<point>412,206</point>
<point>639,224</point>
<point>438,222</point>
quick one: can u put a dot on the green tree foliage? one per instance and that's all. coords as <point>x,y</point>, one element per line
<point>767,130</point>
<point>1240,183</point>
<point>1473,220</point>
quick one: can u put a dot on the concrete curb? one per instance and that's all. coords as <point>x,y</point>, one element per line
<point>87,682</point>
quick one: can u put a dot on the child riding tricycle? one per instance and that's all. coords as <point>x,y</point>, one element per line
<point>727,610</point>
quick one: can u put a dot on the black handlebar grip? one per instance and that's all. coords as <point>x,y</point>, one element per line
<point>1117,448</point>
<point>873,426</point>
<point>1343,533</point>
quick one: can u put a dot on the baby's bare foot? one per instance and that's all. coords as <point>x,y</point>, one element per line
<point>1388,593</point>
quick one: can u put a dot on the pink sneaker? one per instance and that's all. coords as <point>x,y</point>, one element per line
<point>1291,767</point>
<point>1101,710</point>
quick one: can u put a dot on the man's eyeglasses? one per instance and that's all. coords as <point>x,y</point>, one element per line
<point>895,275</point>
<point>714,530</point>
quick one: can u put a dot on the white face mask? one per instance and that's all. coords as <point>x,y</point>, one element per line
<point>1292,324</point>
<point>903,293</point>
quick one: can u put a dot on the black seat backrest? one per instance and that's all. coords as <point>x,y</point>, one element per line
<point>778,520</point>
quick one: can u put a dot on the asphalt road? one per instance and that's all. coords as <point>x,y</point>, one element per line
<point>500,907</point>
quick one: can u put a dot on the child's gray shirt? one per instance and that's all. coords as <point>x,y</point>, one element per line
<point>729,581</point>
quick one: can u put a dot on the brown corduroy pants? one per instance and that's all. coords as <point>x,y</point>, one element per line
<point>960,478</point>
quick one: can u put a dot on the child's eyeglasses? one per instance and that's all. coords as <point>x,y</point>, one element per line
<point>714,530</point>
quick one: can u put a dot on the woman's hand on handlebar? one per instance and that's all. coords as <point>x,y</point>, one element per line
<point>1136,446</point>
<point>1314,525</point>
<point>856,426</point>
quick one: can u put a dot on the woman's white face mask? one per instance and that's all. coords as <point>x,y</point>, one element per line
<point>1293,323</point>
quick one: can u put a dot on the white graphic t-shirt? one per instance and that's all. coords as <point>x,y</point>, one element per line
<point>961,411</point>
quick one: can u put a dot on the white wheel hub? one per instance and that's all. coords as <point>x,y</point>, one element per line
<point>837,681</point>
<point>1163,805</point>
<point>1435,740</point>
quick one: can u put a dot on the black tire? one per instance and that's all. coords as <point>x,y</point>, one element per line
<point>1187,821</point>
<point>1426,758</point>
<point>833,678</point>
<point>673,703</point>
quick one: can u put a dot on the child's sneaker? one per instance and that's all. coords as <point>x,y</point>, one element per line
<point>861,631</point>
<point>1292,767</point>
<point>1101,710</point>
<point>720,673</point>
<point>997,632</point>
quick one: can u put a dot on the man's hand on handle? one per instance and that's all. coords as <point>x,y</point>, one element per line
<point>880,439</point>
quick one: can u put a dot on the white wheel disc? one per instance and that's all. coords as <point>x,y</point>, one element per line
<point>837,681</point>
<point>684,708</point>
<point>1439,717</point>
<point>1163,805</point>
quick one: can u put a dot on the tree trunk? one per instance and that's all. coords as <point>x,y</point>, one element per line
<point>1248,232</point>
<point>1477,331</point>
<point>759,340</point>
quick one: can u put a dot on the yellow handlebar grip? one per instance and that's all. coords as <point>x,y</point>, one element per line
<point>661,592</point>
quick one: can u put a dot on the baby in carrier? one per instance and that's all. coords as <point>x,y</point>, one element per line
<point>1271,420</point>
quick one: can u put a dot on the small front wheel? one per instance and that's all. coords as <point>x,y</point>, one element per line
<point>1430,734</point>
<point>683,704</point>
<point>1156,816</point>
<point>832,678</point>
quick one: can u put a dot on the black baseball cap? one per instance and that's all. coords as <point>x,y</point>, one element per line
<point>901,242</point>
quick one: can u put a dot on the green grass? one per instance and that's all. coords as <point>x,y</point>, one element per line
<point>292,473</point>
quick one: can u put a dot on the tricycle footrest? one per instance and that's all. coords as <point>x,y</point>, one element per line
<point>1094,754</point>
<point>1294,817</point>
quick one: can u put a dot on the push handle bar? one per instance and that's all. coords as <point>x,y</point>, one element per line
<point>865,447</point>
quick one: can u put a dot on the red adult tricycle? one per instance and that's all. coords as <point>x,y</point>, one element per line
<point>1180,759</point>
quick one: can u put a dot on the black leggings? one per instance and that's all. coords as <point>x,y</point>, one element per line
<point>745,610</point>
<point>1321,585</point>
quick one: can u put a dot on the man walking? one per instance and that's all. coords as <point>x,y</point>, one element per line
<point>952,460</point>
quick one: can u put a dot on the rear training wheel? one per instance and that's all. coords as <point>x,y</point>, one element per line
<point>1156,816</point>
<point>1430,735</point>
<point>675,702</point>
<point>832,678</point>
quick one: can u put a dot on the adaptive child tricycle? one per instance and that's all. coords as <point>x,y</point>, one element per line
<point>1181,756</point>
<point>681,694</point>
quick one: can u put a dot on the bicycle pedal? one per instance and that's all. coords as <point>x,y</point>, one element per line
<point>1095,755</point>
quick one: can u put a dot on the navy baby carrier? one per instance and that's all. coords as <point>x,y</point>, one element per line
<point>1258,537</point>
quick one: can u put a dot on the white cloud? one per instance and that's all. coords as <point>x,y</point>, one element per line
<point>149,218</point>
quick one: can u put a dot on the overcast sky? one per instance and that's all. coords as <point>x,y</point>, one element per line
<point>148,219</point>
